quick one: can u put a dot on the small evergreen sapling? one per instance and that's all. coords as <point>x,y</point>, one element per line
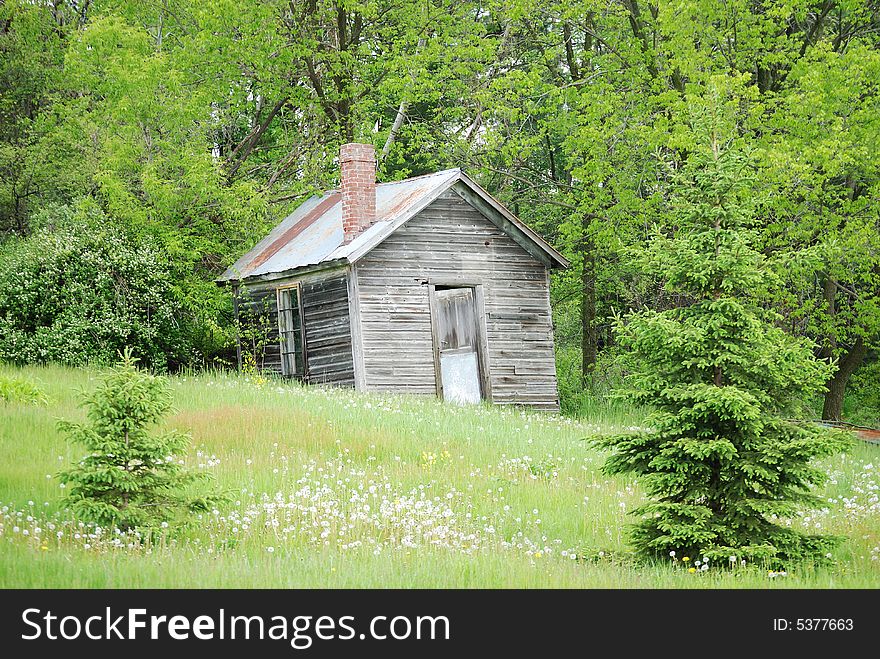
<point>131,477</point>
<point>720,462</point>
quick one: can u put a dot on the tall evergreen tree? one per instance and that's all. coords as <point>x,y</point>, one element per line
<point>721,462</point>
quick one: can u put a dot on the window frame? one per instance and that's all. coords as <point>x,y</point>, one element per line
<point>283,334</point>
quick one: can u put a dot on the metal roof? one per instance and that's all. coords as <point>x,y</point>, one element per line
<point>312,235</point>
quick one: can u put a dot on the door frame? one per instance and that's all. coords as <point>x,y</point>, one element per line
<point>482,343</point>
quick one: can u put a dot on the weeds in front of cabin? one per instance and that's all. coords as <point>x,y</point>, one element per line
<point>330,478</point>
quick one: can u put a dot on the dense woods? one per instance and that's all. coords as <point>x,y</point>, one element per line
<point>173,134</point>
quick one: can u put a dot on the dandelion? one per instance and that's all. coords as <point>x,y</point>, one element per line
<point>672,553</point>
<point>270,549</point>
<point>685,559</point>
<point>692,570</point>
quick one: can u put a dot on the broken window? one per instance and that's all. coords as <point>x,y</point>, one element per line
<point>290,332</point>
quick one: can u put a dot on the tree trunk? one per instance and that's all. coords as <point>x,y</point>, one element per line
<point>846,366</point>
<point>401,112</point>
<point>589,338</point>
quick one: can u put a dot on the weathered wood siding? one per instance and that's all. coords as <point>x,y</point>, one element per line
<point>324,299</point>
<point>328,330</point>
<point>448,242</point>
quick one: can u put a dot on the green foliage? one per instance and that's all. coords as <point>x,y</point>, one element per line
<point>81,288</point>
<point>131,478</point>
<point>598,393</point>
<point>721,463</point>
<point>19,390</point>
<point>863,405</point>
<point>821,155</point>
<point>189,126</point>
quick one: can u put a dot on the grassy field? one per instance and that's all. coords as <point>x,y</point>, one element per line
<point>335,489</point>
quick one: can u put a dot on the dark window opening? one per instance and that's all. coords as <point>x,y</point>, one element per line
<point>256,329</point>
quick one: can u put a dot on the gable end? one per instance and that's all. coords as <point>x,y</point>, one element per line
<point>494,215</point>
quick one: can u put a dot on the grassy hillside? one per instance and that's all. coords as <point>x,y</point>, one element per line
<point>333,489</point>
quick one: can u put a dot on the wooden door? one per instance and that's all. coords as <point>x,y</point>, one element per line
<point>456,341</point>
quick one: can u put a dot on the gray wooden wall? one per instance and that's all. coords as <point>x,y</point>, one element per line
<point>445,243</point>
<point>328,330</point>
<point>326,321</point>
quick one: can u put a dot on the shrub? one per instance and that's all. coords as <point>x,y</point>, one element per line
<point>19,390</point>
<point>863,398</point>
<point>81,289</point>
<point>130,478</point>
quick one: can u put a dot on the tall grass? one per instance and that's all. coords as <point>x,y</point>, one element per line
<point>333,488</point>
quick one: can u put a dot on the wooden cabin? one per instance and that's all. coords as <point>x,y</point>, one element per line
<point>424,286</point>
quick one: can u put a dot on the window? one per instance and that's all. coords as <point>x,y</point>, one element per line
<point>290,332</point>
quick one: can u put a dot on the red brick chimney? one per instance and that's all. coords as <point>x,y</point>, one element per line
<point>357,164</point>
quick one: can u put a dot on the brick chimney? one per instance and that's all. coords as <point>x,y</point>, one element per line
<point>357,164</point>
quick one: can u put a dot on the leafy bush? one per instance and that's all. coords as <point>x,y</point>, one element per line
<point>130,479</point>
<point>863,399</point>
<point>81,288</point>
<point>596,396</point>
<point>18,390</point>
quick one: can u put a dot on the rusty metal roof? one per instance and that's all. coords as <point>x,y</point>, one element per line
<point>312,234</point>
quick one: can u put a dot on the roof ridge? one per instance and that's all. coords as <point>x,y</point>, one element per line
<point>403,180</point>
<point>414,178</point>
